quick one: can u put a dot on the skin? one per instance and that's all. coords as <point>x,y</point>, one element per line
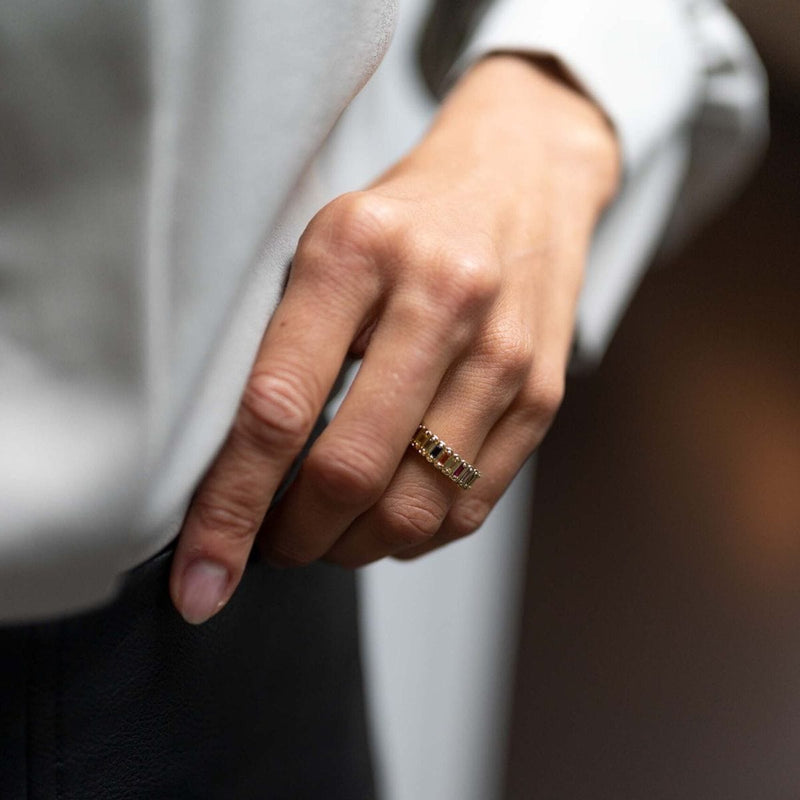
<point>455,276</point>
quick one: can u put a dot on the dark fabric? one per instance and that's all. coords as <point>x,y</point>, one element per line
<point>447,30</point>
<point>264,701</point>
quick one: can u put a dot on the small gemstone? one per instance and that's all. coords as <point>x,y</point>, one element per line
<point>452,462</point>
<point>430,444</point>
<point>437,451</point>
<point>444,458</point>
<point>459,470</point>
<point>421,437</point>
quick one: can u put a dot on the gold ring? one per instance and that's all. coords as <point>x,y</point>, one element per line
<point>448,462</point>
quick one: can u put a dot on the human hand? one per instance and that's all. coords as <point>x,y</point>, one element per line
<point>455,276</point>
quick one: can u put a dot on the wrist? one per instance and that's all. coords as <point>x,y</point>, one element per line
<point>527,110</point>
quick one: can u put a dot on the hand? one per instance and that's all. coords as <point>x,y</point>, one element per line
<point>455,276</point>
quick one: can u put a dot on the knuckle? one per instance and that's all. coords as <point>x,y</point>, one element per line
<point>277,411</point>
<point>225,519</point>
<point>343,241</point>
<point>409,523</point>
<point>466,517</point>
<point>470,283</point>
<point>348,476</point>
<point>357,221</point>
<point>509,348</point>
<point>544,397</point>
<point>367,210</point>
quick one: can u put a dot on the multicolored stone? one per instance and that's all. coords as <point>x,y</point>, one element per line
<point>449,463</point>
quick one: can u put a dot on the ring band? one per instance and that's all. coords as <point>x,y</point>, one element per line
<point>448,462</point>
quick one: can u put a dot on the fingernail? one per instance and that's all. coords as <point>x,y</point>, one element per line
<point>202,591</point>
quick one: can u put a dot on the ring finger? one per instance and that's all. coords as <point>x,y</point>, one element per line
<point>411,511</point>
<point>505,450</point>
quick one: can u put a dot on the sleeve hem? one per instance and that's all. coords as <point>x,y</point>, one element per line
<point>638,62</point>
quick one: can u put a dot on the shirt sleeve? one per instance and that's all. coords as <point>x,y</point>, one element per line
<point>686,93</point>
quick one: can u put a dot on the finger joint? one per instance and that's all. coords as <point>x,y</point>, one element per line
<point>225,519</point>
<point>408,523</point>
<point>345,476</point>
<point>276,412</point>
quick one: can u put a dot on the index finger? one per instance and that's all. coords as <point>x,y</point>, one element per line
<point>297,364</point>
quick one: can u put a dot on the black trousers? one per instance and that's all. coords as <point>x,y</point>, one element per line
<point>264,701</point>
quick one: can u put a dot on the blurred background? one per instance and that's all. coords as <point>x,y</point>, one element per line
<point>660,655</point>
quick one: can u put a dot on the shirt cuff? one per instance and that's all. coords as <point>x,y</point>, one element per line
<point>635,58</point>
